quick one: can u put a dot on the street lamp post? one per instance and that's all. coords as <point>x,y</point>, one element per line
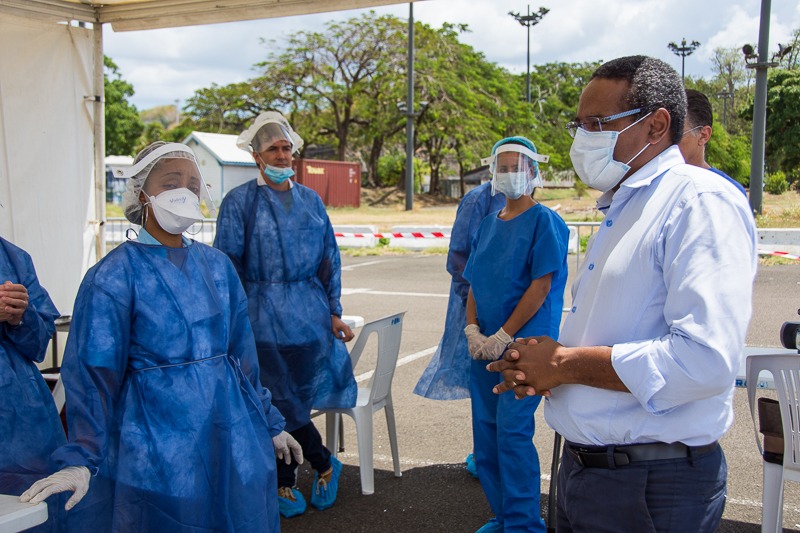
<point>725,96</point>
<point>410,113</point>
<point>759,106</point>
<point>683,50</point>
<point>528,21</point>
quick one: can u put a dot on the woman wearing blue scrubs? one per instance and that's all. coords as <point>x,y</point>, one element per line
<point>279,237</point>
<point>517,272</point>
<point>30,429</point>
<point>165,410</point>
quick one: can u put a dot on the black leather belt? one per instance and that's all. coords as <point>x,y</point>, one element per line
<point>616,456</point>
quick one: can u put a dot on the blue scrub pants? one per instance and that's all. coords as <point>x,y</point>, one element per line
<point>506,459</point>
<point>313,451</point>
<point>674,495</point>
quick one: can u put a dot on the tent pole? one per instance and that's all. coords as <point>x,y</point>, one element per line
<point>99,143</point>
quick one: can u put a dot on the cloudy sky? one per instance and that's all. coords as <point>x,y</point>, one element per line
<point>169,65</point>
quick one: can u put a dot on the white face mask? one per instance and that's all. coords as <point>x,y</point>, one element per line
<point>592,155</point>
<point>512,184</point>
<point>176,210</point>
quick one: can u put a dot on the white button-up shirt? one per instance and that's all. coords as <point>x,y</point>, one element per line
<point>667,283</point>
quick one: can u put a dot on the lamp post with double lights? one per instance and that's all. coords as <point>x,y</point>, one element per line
<point>531,19</point>
<point>725,96</point>
<point>683,50</point>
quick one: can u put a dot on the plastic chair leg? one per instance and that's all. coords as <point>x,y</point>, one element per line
<point>390,425</point>
<point>772,499</point>
<point>332,432</point>
<point>363,419</point>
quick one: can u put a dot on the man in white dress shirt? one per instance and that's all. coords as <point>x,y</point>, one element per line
<point>641,381</point>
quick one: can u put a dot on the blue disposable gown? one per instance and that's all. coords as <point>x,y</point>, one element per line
<point>283,246</point>
<point>447,374</point>
<point>164,404</point>
<point>30,429</point>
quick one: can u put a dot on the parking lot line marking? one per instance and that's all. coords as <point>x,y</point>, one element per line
<point>366,263</point>
<point>404,361</point>
<point>347,292</point>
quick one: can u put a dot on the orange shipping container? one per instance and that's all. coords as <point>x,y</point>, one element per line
<point>338,183</point>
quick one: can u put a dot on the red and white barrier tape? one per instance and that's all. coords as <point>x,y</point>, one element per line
<point>412,235</point>
<point>785,255</point>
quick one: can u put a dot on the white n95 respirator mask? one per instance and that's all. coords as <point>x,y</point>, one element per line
<point>176,210</point>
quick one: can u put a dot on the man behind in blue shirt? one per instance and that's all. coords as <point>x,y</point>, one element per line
<point>697,133</point>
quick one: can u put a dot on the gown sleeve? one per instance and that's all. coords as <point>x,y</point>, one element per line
<point>330,269</point>
<point>31,336</point>
<point>95,363</point>
<point>470,213</point>
<point>230,230</point>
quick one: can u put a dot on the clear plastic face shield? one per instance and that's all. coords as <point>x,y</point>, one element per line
<point>168,167</point>
<point>269,135</point>
<point>515,170</point>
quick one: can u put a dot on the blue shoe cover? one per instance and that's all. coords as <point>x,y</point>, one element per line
<point>289,508</point>
<point>492,526</point>
<point>472,468</point>
<point>323,494</point>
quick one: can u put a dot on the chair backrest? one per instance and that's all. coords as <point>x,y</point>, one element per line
<point>785,370</point>
<point>389,331</point>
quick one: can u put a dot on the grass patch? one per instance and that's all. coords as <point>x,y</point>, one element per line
<point>771,260</point>
<point>375,250</point>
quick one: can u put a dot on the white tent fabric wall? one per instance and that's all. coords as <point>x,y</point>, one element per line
<point>46,160</point>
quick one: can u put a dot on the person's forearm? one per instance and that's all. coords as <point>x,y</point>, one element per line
<point>528,305</point>
<point>588,365</point>
<point>472,309</point>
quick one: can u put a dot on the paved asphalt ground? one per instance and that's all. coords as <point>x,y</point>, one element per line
<point>435,493</point>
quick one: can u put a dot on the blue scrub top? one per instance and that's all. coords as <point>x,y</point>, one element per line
<point>507,255</point>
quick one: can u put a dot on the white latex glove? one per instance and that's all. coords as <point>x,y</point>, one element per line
<point>73,478</point>
<point>495,345</point>
<point>286,446</point>
<point>475,340</point>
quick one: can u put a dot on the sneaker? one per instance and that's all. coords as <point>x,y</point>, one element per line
<point>492,526</point>
<point>326,486</point>
<point>290,502</point>
<point>472,468</point>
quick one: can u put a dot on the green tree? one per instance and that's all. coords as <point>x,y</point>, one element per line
<point>783,127</point>
<point>123,125</point>
<point>230,108</point>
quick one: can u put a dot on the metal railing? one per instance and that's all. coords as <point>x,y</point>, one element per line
<point>579,231</point>
<point>116,230</point>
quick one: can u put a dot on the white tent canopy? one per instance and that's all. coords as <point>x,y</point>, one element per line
<point>52,132</point>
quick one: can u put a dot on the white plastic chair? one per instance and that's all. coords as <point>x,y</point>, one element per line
<point>785,370</point>
<point>376,395</point>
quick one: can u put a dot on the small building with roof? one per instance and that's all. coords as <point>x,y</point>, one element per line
<point>223,164</point>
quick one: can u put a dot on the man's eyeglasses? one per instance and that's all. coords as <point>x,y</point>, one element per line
<point>596,123</point>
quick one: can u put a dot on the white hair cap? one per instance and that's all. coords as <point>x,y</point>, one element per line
<point>246,140</point>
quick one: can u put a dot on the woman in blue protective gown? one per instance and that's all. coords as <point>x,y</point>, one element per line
<point>281,241</point>
<point>164,405</point>
<point>447,375</point>
<point>517,272</point>
<point>30,429</point>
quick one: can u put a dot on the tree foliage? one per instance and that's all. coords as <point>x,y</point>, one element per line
<point>344,89</point>
<point>123,125</point>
